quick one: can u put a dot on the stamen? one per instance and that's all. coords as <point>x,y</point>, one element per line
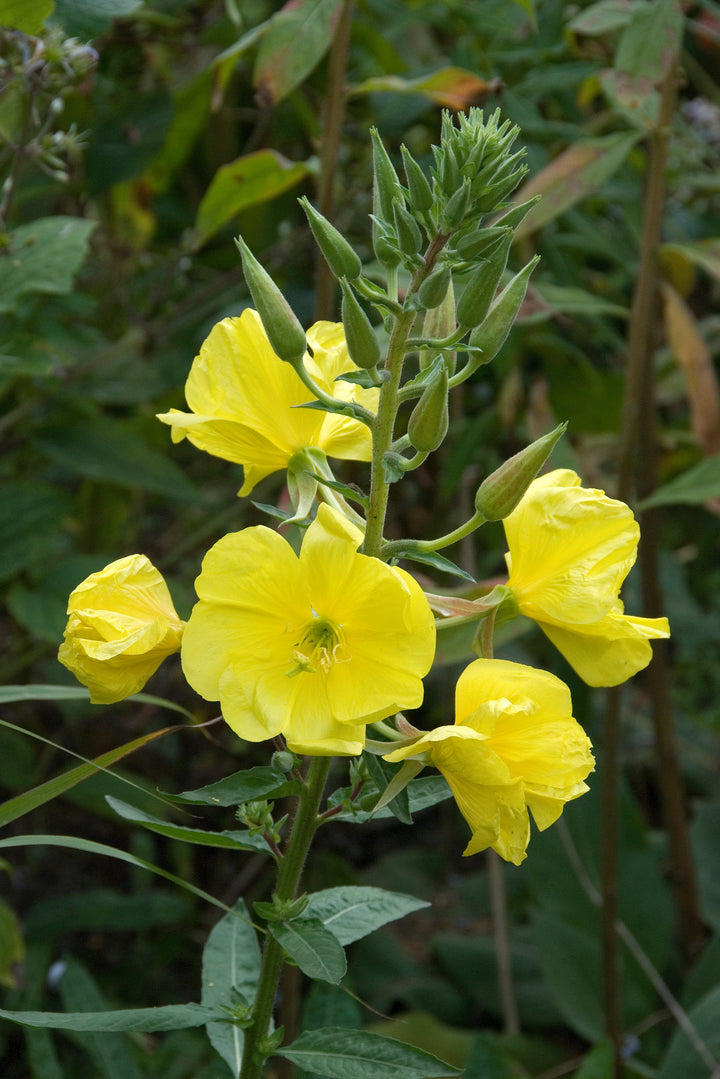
<point>321,644</point>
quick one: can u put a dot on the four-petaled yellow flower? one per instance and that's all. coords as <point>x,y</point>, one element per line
<point>571,548</point>
<point>244,400</point>
<point>515,746</point>
<point>313,646</point>
<point>121,626</point>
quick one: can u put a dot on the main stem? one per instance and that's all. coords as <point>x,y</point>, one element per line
<point>288,884</point>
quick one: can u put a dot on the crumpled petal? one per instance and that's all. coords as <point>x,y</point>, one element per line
<point>121,626</point>
<point>515,746</point>
<point>570,549</point>
<point>245,400</point>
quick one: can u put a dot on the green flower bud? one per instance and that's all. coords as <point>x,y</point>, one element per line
<point>363,345</point>
<point>419,191</point>
<point>476,243</point>
<point>475,301</point>
<point>439,322</point>
<point>428,423</point>
<point>280,322</point>
<point>387,188</point>
<point>499,494</point>
<point>385,248</point>
<point>407,230</point>
<point>283,760</point>
<point>517,214</point>
<point>434,288</point>
<point>456,207</point>
<point>490,335</point>
<point>339,255</point>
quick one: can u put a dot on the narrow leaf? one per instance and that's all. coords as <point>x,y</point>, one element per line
<point>240,840</point>
<point>355,1054</point>
<point>248,181</point>
<point>353,912</point>
<point>73,843</point>
<point>451,87</point>
<point>437,561</point>
<point>230,969</point>
<point>45,792</point>
<point>697,485</point>
<point>298,37</point>
<point>382,774</point>
<point>170,1017</point>
<point>693,356</point>
<point>314,948</point>
<point>247,786</point>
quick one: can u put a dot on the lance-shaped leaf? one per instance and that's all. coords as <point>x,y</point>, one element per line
<point>230,972</point>
<point>298,37</point>
<point>248,786</point>
<point>238,840</point>
<point>694,487</point>
<point>451,87</point>
<point>314,948</point>
<point>352,912</point>
<point>248,181</point>
<point>169,1017</point>
<point>355,1054</point>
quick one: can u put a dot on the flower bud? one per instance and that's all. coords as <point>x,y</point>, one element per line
<point>407,231</point>
<point>517,214</point>
<point>387,188</point>
<point>499,494</point>
<point>476,243</point>
<point>490,335</point>
<point>386,250</point>
<point>339,255</point>
<point>475,301</point>
<point>280,323</point>
<point>419,191</point>
<point>283,760</point>
<point>362,344</point>
<point>429,419</point>
<point>456,207</point>
<point>440,322</point>
<point>434,288</point>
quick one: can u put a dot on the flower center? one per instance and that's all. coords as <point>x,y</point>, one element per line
<point>321,644</point>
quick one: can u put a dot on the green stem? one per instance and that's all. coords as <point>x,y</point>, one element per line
<point>384,424</point>
<point>288,883</point>
<point>396,548</point>
<point>333,404</point>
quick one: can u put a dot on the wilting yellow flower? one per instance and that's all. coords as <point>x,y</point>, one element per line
<point>244,400</point>
<point>515,746</point>
<point>313,646</point>
<point>571,548</point>
<point>121,626</point>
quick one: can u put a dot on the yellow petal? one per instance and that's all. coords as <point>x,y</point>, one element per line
<point>610,651</point>
<point>570,550</point>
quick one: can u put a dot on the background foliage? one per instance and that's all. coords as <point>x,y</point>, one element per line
<point>132,155</point>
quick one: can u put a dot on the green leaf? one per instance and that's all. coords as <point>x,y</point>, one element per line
<point>230,968</point>
<point>26,15</point>
<point>111,1052</point>
<point>598,1064</point>
<point>355,1054</point>
<point>45,792</point>
<point>248,181</point>
<point>12,946</point>
<point>88,18</point>
<point>648,45</point>
<point>437,561</point>
<point>314,948</point>
<point>382,775</point>
<point>87,845</point>
<point>228,840</point>
<point>353,494</point>
<point>106,911</point>
<point>43,256</point>
<point>605,16</point>
<point>298,37</point>
<point>352,912</point>
<point>699,484</point>
<point>571,177</point>
<point>422,794</point>
<point>248,786</point>
<point>682,1058</point>
<point>170,1017</point>
<point>109,450</point>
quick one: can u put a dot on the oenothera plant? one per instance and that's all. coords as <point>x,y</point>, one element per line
<point>319,649</point>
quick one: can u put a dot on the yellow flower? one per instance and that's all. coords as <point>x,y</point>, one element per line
<point>313,646</point>
<point>121,626</point>
<point>244,400</point>
<point>515,746</point>
<point>571,548</point>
